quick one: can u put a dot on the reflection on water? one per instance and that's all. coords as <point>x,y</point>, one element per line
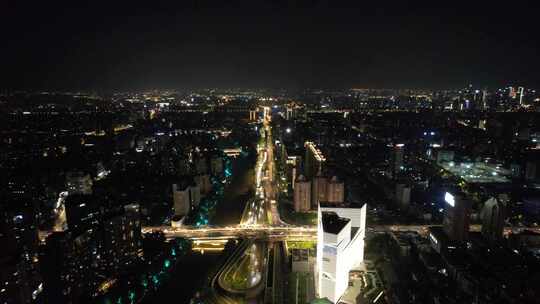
<point>187,278</point>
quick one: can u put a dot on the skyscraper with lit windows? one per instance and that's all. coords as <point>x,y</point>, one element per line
<point>456,216</point>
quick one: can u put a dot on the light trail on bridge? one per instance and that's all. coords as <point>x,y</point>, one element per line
<point>285,232</point>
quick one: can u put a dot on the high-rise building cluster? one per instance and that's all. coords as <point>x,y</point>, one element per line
<point>314,187</point>
<point>83,261</point>
<point>194,183</point>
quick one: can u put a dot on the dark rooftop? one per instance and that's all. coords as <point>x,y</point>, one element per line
<point>332,223</point>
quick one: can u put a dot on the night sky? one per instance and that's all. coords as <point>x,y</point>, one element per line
<point>253,44</point>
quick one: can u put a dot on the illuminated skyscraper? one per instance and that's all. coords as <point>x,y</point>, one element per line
<point>484,99</point>
<point>290,113</point>
<point>266,112</point>
<point>512,92</point>
<point>521,94</point>
<point>397,159</point>
<point>340,247</point>
<point>252,115</point>
<point>456,217</point>
<point>314,160</point>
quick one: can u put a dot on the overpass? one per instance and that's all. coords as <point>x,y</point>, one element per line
<point>286,232</point>
<point>281,232</point>
<point>276,233</point>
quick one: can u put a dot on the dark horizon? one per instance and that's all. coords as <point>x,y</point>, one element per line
<point>59,46</point>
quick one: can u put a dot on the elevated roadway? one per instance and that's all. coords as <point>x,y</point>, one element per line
<point>286,232</point>
<point>240,231</point>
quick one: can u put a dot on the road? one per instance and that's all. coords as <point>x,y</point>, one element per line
<point>245,273</point>
<point>239,231</point>
<point>255,214</point>
<point>286,232</point>
<point>262,210</point>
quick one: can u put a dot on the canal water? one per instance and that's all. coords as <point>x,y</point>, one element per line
<point>191,271</point>
<point>186,280</point>
<point>237,193</point>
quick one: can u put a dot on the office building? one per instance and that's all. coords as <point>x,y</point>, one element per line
<point>484,99</point>
<point>403,194</point>
<point>336,191</point>
<point>200,165</point>
<point>292,165</point>
<point>181,199</point>
<point>291,110</point>
<point>314,160</point>
<point>397,157</point>
<point>289,114</point>
<point>121,239</point>
<point>521,94</point>
<point>302,194</point>
<point>493,217</point>
<point>194,195</point>
<point>186,196</point>
<point>204,184</point>
<point>512,92</point>
<point>340,248</point>
<point>216,166</point>
<point>319,191</point>
<point>252,115</point>
<point>266,112</point>
<point>456,216</point>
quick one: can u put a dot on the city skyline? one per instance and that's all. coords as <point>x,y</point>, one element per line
<point>269,152</point>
